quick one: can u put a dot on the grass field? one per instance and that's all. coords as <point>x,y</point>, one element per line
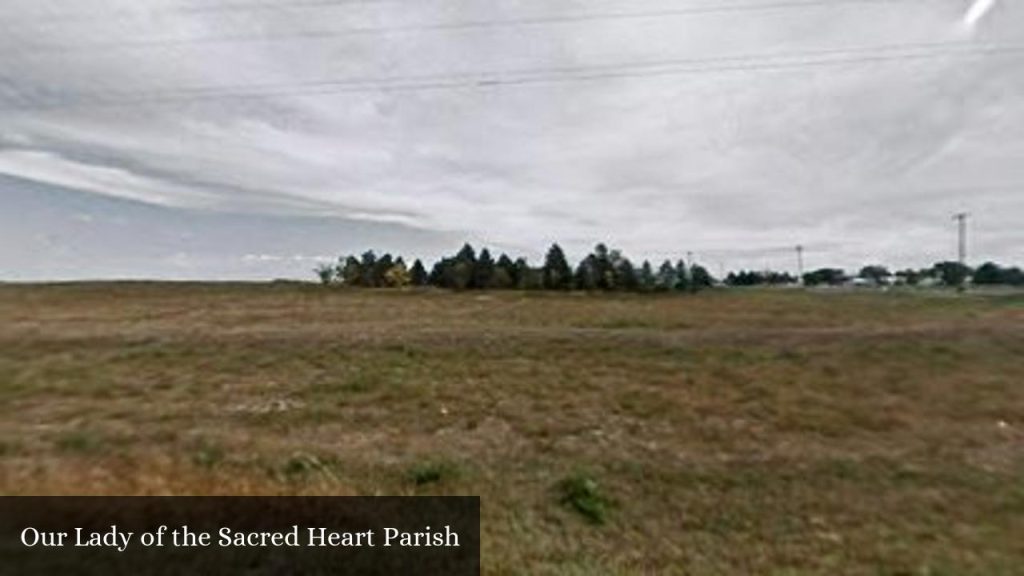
<point>726,433</point>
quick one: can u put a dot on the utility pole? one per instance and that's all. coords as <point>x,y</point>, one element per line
<point>961,220</point>
<point>799,264</point>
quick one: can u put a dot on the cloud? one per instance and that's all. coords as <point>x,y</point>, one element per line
<point>49,168</point>
<point>236,108</point>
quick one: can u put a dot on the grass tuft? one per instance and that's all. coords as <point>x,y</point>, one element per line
<point>79,441</point>
<point>581,493</point>
<point>432,472</point>
<point>208,455</point>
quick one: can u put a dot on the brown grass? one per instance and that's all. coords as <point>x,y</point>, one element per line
<point>729,433</point>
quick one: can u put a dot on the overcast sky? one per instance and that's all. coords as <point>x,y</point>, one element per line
<point>248,139</point>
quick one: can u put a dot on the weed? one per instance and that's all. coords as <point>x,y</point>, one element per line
<point>301,466</point>
<point>81,441</point>
<point>432,472</point>
<point>581,492</point>
<point>208,455</point>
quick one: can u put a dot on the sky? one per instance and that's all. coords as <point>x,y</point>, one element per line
<point>248,139</point>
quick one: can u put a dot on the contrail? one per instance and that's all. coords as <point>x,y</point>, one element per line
<point>978,11</point>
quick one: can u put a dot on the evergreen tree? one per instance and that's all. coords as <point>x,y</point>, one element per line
<point>701,278</point>
<point>603,268</point>
<point>418,274</point>
<point>533,279</point>
<point>522,274</point>
<point>466,254</point>
<point>381,268</point>
<point>646,277</point>
<point>682,276</point>
<point>460,274</point>
<point>556,272</point>
<point>501,280</point>
<point>483,271</point>
<point>367,267</point>
<point>585,277</point>
<point>439,273</point>
<point>626,277</point>
<point>504,273</point>
<point>666,279</point>
<point>351,272</point>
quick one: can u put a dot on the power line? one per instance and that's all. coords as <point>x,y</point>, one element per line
<point>222,7</point>
<point>479,80</point>
<point>457,26</point>
<point>293,5</point>
<point>669,62</point>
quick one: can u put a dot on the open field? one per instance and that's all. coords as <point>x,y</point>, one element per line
<point>726,433</point>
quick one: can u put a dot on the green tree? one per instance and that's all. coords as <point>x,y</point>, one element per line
<point>585,277</point>
<point>418,274</point>
<point>666,279</point>
<point>505,274</point>
<point>522,276</point>
<point>557,275</point>
<point>603,268</point>
<point>466,254</point>
<point>625,274</point>
<point>483,270</point>
<point>682,276</point>
<point>744,278</point>
<point>646,277</point>
<point>988,273</point>
<point>501,280</point>
<point>350,272</point>
<point>326,273</point>
<point>383,265</point>
<point>463,270</point>
<point>909,276</point>
<point>532,279</point>
<point>701,278</point>
<point>460,275</point>
<point>875,273</point>
<point>367,266</point>
<point>825,276</point>
<point>952,273</point>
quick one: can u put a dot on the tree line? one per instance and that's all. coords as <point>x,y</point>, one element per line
<point>942,273</point>
<point>607,269</point>
<point>604,269</point>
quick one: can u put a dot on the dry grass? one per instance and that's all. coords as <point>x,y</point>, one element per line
<point>728,433</point>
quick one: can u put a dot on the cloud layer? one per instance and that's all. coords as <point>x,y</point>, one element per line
<point>735,131</point>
